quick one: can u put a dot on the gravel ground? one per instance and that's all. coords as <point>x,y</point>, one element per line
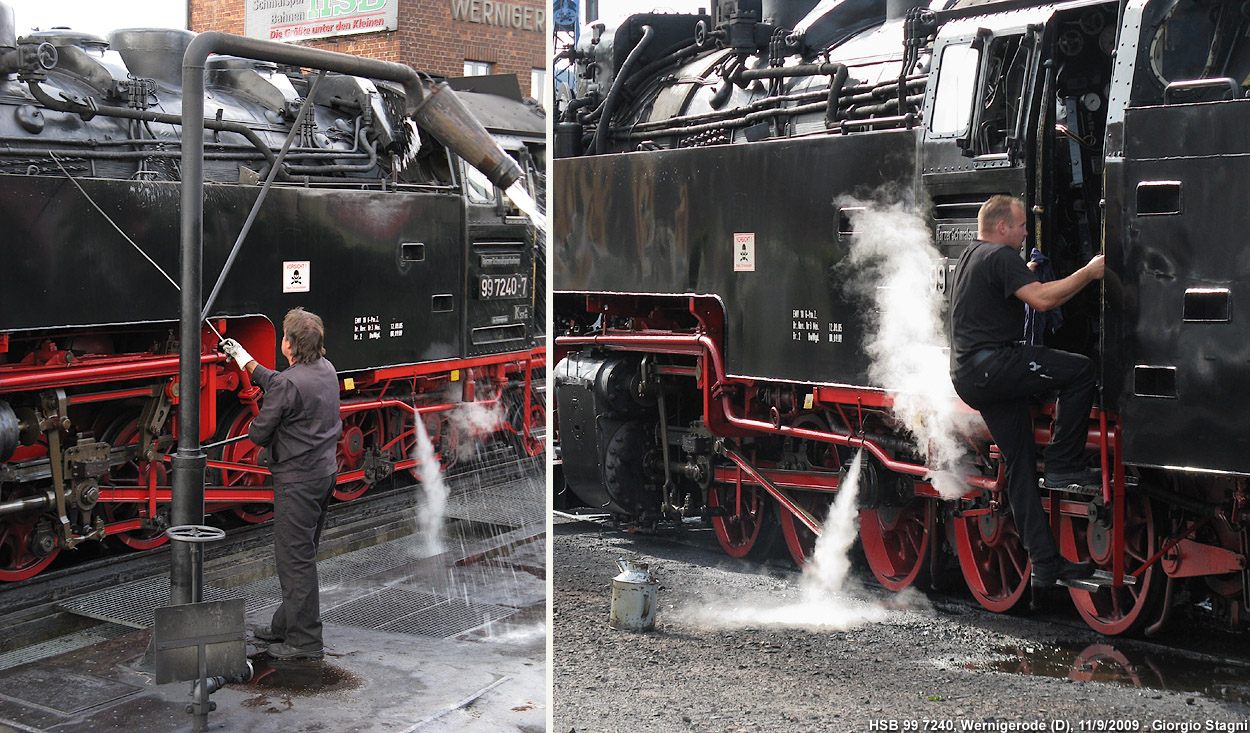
<point>882,661</point>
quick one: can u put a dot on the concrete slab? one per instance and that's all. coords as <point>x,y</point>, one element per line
<point>471,658</point>
<point>369,679</point>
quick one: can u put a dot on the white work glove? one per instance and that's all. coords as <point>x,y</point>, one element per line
<point>236,352</point>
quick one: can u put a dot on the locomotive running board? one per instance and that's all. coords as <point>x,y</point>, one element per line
<point>1099,580</point>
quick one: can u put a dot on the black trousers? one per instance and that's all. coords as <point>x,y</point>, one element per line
<point>299,516</point>
<point>1000,387</point>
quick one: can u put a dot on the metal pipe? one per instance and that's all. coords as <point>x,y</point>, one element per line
<point>609,104</point>
<point>121,394</point>
<point>782,72</point>
<point>704,345</point>
<point>848,97</point>
<point>134,114</point>
<point>17,506</point>
<point>836,84</point>
<point>805,517</point>
<point>371,161</point>
<point>147,368</point>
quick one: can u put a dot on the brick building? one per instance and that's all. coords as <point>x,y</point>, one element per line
<point>448,37</point>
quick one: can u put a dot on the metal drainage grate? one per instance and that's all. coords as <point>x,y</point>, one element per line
<point>366,561</point>
<point>132,604</point>
<point>404,611</point>
<point>62,645</point>
<point>379,608</point>
<point>518,503</point>
<point>450,617</point>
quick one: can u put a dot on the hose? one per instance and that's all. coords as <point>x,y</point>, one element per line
<point>609,104</point>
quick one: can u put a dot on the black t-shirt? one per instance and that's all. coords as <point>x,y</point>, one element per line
<point>984,310</point>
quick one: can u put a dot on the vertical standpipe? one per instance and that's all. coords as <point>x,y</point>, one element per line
<point>457,130</point>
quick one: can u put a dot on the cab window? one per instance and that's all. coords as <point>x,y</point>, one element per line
<point>956,86</point>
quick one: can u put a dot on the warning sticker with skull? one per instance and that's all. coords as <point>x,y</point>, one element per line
<point>744,252</point>
<point>295,277</point>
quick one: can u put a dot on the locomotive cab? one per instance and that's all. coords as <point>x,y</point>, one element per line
<point>1019,106</point>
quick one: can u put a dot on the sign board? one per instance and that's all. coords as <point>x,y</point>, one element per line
<point>301,20</point>
<point>744,252</point>
<point>500,13</point>
<point>295,277</point>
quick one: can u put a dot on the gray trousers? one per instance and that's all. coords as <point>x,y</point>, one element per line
<point>299,515</point>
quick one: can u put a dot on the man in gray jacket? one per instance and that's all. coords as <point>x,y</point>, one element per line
<point>300,426</point>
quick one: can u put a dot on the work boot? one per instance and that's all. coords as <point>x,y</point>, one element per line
<point>1086,479</point>
<point>284,652</point>
<point>1051,570</point>
<point>266,633</point>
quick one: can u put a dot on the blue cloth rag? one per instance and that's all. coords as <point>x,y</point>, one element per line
<point>1038,323</point>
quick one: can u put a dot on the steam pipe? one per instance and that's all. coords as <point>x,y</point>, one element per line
<point>61,105</point>
<point>147,368</point>
<point>856,95</point>
<point>672,55</point>
<point>703,345</point>
<point>609,104</point>
<point>835,93</point>
<point>568,115</point>
<point>782,72</point>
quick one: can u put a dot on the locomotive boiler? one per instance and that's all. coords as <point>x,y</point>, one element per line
<point>718,321</point>
<point>321,190</point>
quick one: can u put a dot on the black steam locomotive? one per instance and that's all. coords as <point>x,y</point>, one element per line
<point>335,200</point>
<point>714,178</point>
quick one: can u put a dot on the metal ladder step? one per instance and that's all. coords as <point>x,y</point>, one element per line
<point>1100,579</point>
<point>1071,489</point>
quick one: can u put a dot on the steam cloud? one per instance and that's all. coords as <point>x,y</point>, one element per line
<point>906,335</point>
<point>434,509</point>
<point>822,605</point>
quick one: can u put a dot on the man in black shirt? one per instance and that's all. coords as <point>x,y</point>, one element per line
<point>996,374</point>
<point>300,426</point>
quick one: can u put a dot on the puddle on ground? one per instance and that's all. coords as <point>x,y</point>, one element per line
<point>297,677</point>
<point>1154,670</point>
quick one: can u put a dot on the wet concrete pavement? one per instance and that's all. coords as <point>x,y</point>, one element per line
<point>454,642</point>
<point>368,680</point>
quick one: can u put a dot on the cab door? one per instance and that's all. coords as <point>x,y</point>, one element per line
<point>980,124</point>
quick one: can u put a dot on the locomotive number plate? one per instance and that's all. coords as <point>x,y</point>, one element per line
<point>491,287</point>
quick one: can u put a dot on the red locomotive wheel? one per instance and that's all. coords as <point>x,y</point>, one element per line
<point>992,558</point>
<point>133,474</point>
<point>21,548</point>
<point>402,437</point>
<point>800,540</point>
<point>135,539</point>
<point>814,454</point>
<point>896,542</point>
<point>361,431</point>
<point>1114,611</point>
<point>247,453</point>
<point>749,533</point>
